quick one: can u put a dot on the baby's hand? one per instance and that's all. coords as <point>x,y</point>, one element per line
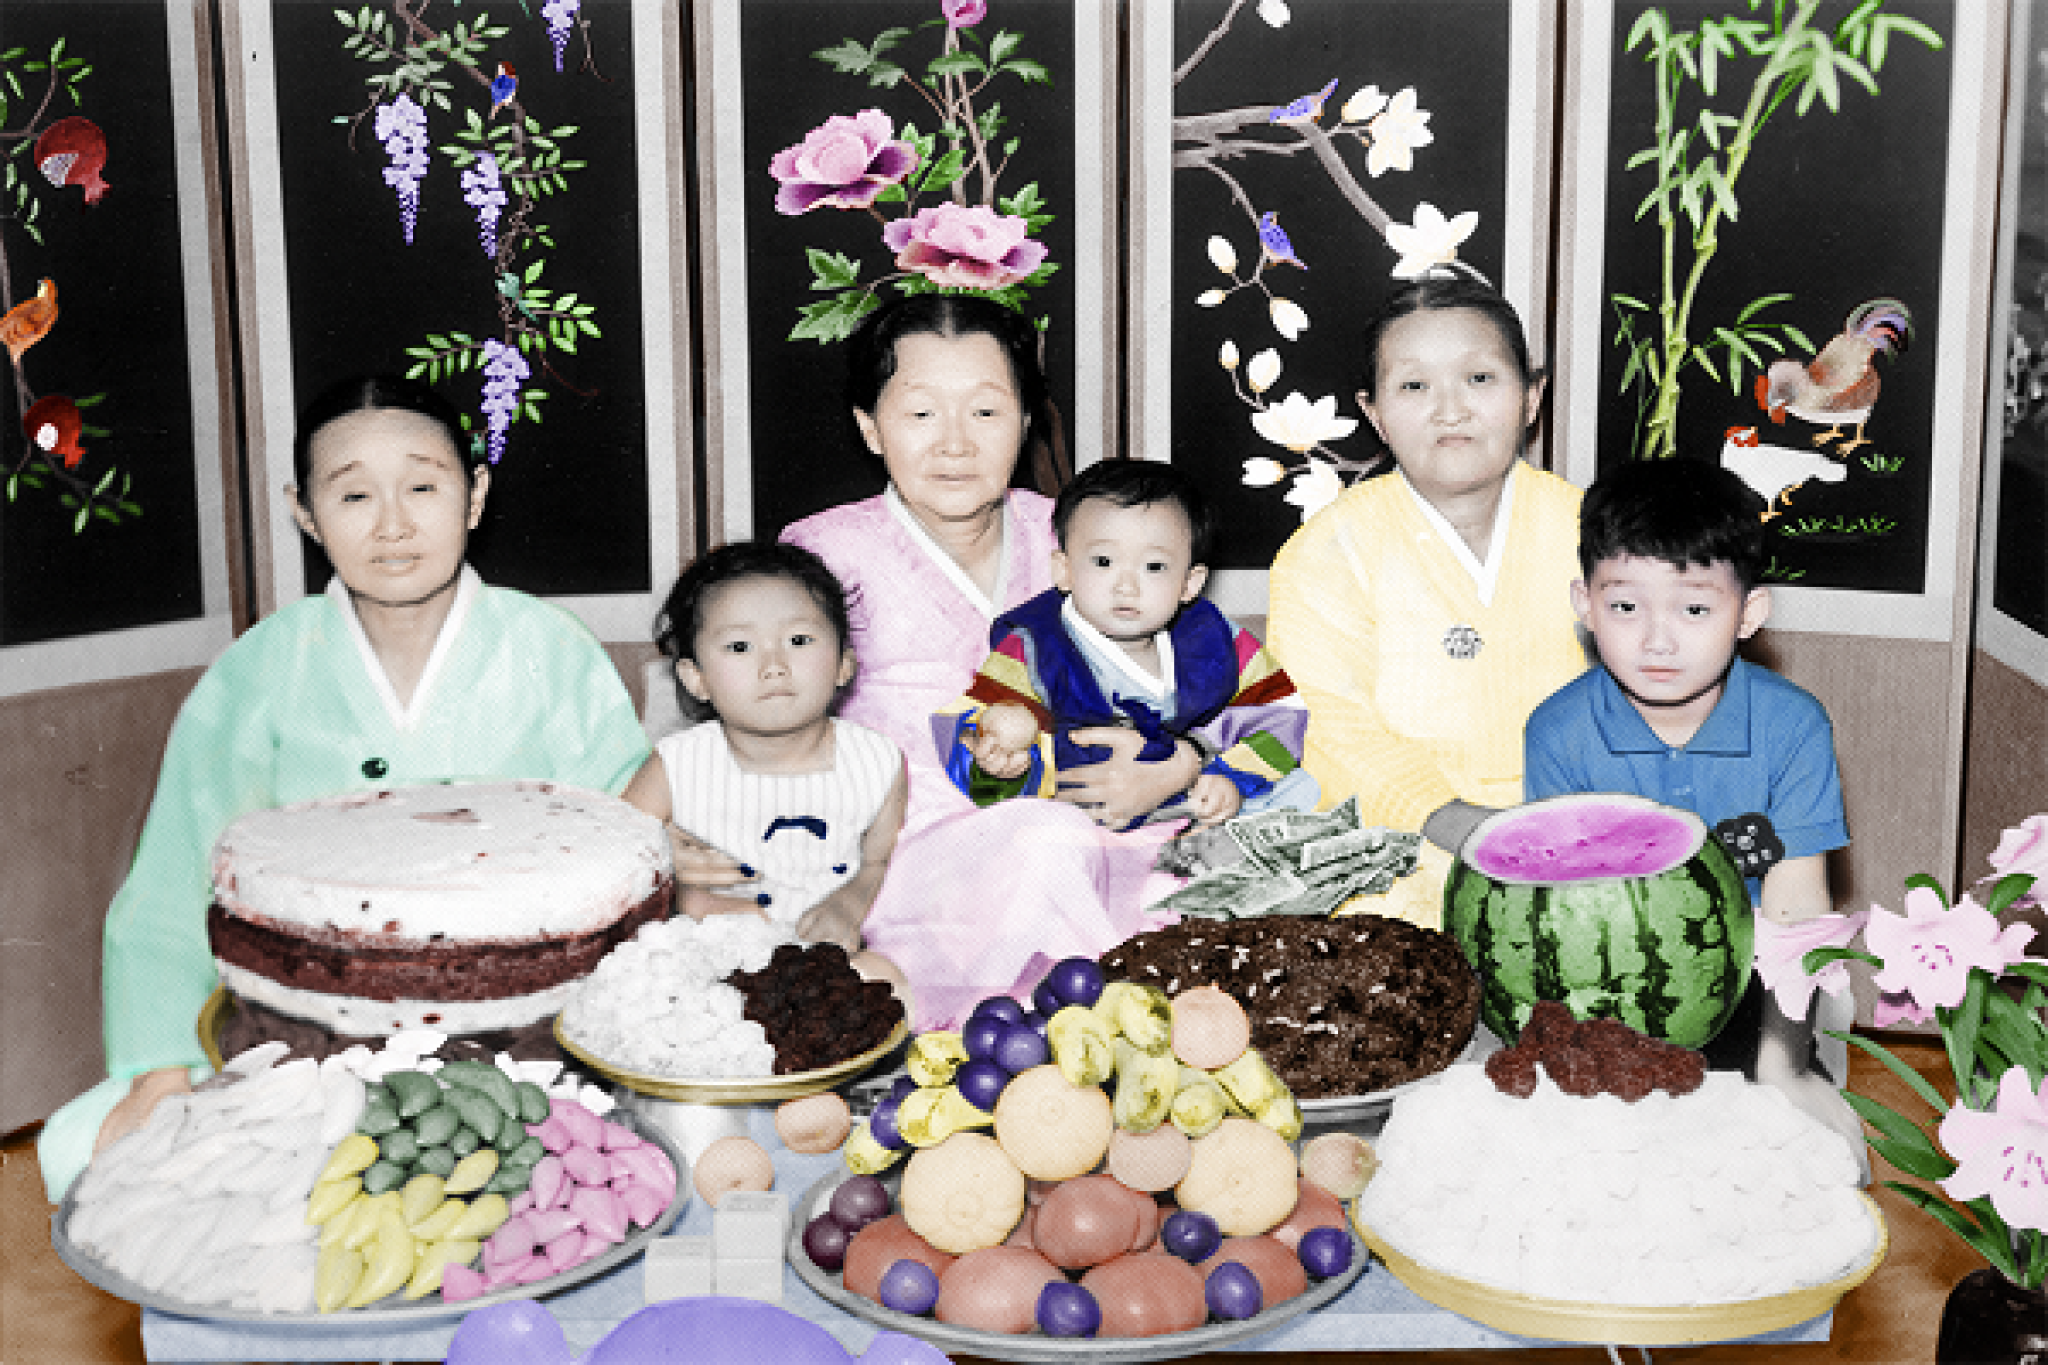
<point>1004,736</point>
<point>831,921</point>
<point>1213,799</point>
<point>699,864</point>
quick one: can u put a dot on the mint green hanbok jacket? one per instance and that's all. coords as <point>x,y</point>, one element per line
<point>297,709</point>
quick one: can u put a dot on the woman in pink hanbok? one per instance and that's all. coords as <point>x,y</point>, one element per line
<point>947,390</point>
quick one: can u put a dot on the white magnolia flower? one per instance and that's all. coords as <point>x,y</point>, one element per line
<point>1264,369</point>
<point>1430,241</point>
<point>1209,298</point>
<point>1261,472</point>
<point>1226,354</point>
<point>1315,488</point>
<point>1275,12</point>
<point>1396,132</point>
<point>1364,104</point>
<point>1288,319</point>
<point>1298,424</point>
<point>1223,255</point>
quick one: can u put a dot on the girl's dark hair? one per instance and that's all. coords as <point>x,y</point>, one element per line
<point>1138,483</point>
<point>1682,511</point>
<point>682,615</point>
<point>371,392</point>
<point>871,364</point>
<point>1438,294</point>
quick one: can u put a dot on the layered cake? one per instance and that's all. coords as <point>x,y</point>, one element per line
<point>1720,1195</point>
<point>466,908</point>
<point>1338,1007</point>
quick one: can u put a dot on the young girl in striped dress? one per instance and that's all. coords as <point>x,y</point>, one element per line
<point>775,807</point>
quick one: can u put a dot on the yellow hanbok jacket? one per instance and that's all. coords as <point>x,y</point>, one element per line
<point>1417,690</point>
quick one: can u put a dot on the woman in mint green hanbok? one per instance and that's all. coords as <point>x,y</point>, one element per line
<point>407,669</point>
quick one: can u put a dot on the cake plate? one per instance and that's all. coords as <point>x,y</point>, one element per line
<point>697,1111</point>
<point>1621,1324</point>
<point>1346,1110</point>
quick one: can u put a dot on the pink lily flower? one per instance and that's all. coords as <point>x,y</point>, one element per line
<point>2003,1153</point>
<point>1781,951</point>
<point>1929,952</point>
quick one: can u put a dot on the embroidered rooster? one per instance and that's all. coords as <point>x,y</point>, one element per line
<point>1839,386</point>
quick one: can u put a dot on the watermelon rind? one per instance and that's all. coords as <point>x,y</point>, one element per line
<point>1669,954</point>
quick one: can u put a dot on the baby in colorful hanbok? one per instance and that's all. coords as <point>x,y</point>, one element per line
<point>1124,638</point>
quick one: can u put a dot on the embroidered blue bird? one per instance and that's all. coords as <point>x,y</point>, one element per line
<point>1273,240</point>
<point>1307,109</point>
<point>504,86</point>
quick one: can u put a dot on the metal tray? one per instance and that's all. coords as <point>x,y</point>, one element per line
<point>392,1311</point>
<point>732,1089</point>
<point>1620,1324</point>
<point>1036,1346</point>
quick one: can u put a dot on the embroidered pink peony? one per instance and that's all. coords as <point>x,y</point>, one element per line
<point>1782,948</point>
<point>843,163</point>
<point>963,13</point>
<point>965,248</point>
<point>1928,952</point>
<point>2002,1153</point>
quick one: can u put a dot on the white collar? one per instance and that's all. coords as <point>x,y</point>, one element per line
<point>1154,686</point>
<point>1484,575</point>
<point>945,562</point>
<point>467,585</point>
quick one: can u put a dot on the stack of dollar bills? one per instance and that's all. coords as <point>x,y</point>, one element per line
<point>1290,862</point>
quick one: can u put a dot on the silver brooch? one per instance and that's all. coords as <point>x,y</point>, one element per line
<point>1462,642</point>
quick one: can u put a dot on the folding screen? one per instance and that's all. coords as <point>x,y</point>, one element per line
<point>791,262</point>
<point>2013,590</point>
<point>482,198</point>
<point>1293,163</point>
<point>113,547</point>
<point>1842,217</point>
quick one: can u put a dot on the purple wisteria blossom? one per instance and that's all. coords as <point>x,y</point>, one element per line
<point>483,191</point>
<point>560,16</point>
<point>402,128</point>
<point>505,370</point>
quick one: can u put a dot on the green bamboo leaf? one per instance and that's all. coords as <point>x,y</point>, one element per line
<point>1856,71</point>
<point>78,522</point>
<point>1758,304</point>
<point>1651,23</point>
<point>1643,158</point>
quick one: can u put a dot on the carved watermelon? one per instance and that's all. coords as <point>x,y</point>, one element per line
<point>1615,906</point>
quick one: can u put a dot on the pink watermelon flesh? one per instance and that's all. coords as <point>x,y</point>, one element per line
<point>1581,840</point>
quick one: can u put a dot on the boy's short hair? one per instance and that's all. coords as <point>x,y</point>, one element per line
<point>1681,511</point>
<point>1138,483</point>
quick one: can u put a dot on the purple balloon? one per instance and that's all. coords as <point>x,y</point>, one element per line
<point>517,1333</point>
<point>714,1331</point>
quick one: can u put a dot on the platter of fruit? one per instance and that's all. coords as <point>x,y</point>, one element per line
<point>308,1194</point>
<point>1107,1176</point>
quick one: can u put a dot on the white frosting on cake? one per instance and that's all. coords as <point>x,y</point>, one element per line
<point>503,862</point>
<point>1726,1194</point>
<point>355,1016</point>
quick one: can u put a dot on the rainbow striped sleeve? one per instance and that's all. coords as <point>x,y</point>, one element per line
<point>1264,725</point>
<point>1004,676</point>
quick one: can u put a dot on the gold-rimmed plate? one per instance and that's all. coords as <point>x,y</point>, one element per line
<point>1614,1324</point>
<point>732,1089</point>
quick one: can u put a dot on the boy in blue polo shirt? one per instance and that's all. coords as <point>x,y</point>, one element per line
<point>1672,551</point>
